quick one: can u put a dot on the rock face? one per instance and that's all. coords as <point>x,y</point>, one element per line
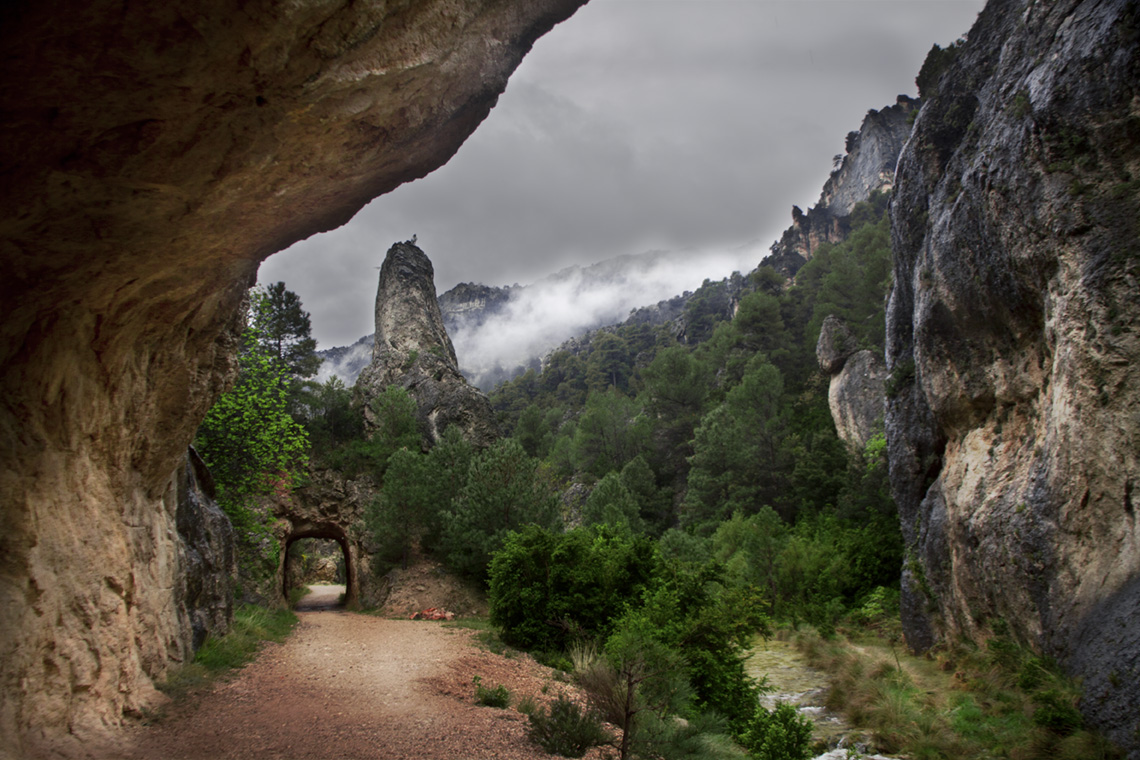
<point>329,506</point>
<point>1014,426</point>
<point>856,394</point>
<point>867,167</point>
<point>153,155</point>
<point>209,553</point>
<point>470,305</point>
<point>412,350</point>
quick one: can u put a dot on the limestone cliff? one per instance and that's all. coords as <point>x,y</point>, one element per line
<point>412,350</point>
<point>856,392</point>
<point>867,166</point>
<point>153,154</point>
<point>470,305</point>
<point>1014,426</point>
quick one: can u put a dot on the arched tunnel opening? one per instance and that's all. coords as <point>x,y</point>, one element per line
<point>319,556</point>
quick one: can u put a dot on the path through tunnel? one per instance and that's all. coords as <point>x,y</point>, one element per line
<point>303,558</point>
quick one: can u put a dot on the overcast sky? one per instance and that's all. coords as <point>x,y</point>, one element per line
<point>637,125</point>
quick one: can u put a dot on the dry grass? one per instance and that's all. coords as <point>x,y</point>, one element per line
<point>968,703</point>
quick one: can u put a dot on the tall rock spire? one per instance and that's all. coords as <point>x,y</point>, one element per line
<point>413,351</point>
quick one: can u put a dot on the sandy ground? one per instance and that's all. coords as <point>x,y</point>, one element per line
<point>348,686</point>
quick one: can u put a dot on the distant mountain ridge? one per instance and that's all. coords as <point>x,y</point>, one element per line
<point>500,331</point>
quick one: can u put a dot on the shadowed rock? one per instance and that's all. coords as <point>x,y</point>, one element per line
<point>153,155</point>
<point>1013,339</point>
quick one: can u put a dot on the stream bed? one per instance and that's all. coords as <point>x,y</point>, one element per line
<point>792,680</point>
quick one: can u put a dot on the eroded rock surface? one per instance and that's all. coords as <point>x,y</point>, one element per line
<point>153,154</point>
<point>1012,338</point>
<point>856,394</point>
<point>868,166</point>
<point>412,350</point>
<point>209,553</point>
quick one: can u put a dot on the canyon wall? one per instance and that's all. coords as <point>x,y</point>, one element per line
<point>153,155</point>
<point>1014,412</point>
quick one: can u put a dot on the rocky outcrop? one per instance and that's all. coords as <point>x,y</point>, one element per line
<point>867,167</point>
<point>1014,417</point>
<point>153,154</point>
<point>856,394</point>
<point>209,557</point>
<point>469,305</point>
<point>412,351</point>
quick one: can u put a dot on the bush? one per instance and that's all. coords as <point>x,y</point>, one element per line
<point>491,696</point>
<point>782,734</point>
<point>566,729</point>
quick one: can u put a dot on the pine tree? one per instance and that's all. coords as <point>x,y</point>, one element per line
<point>285,330</point>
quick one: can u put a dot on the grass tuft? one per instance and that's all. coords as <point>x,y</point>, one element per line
<point>1000,701</point>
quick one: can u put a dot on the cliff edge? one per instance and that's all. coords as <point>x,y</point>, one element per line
<point>1014,412</point>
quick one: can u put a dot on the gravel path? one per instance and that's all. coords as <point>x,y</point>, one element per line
<point>350,686</point>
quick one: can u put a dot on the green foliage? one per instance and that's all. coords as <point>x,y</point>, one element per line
<point>610,432</point>
<point>546,589</point>
<point>251,626</point>
<point>782,734</point>
<point>503,492</point>
<point>497,696</point>
<point>404,508</point>
<point>739,460</point>
<point>325,409</point>
<point>937,61</point>
<point>253,446</point>
<point>566,729</point>
<point>285,332</point>
<point>612,504</point>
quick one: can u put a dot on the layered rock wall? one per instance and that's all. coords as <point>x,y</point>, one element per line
<point>1014,426</point>
<point>153,154</point>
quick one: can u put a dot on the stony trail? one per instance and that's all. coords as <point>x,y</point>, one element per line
<point>350,686</point>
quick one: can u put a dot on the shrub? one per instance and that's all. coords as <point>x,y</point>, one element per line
<point>566,729</point>
<point>491,696</point>
<point>782,734</point>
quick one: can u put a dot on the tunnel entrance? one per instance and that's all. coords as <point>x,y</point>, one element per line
<point>318,564</point>
<point>319,557</point>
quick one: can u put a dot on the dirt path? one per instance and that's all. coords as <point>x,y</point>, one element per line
<point>349,686</point>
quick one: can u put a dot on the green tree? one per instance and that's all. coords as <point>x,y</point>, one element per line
<point>547,589</point>
<point>326,411</point>
<point>738,461</point>
<point>285,330</point>
<point>503,492</point>
<point>612,504</point>
<point>610,432</point>
<point>399,514</point>
<point>252,445</point>
<point>608,364</point>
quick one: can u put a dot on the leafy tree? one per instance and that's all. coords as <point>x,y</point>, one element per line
<point>401,511</point>
<point>325,409</point>
<point>546,589</point>
<point>608,364</point>
<point>533,433</point>
<point>252,445</point>
<point>738,459</point>
<point>503,492</point>
<point>654,504</point>
<point>612,504</point>
<point>285,330</point>
<point>610,432</point>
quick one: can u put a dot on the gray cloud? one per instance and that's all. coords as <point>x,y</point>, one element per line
<point>636,125</point>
